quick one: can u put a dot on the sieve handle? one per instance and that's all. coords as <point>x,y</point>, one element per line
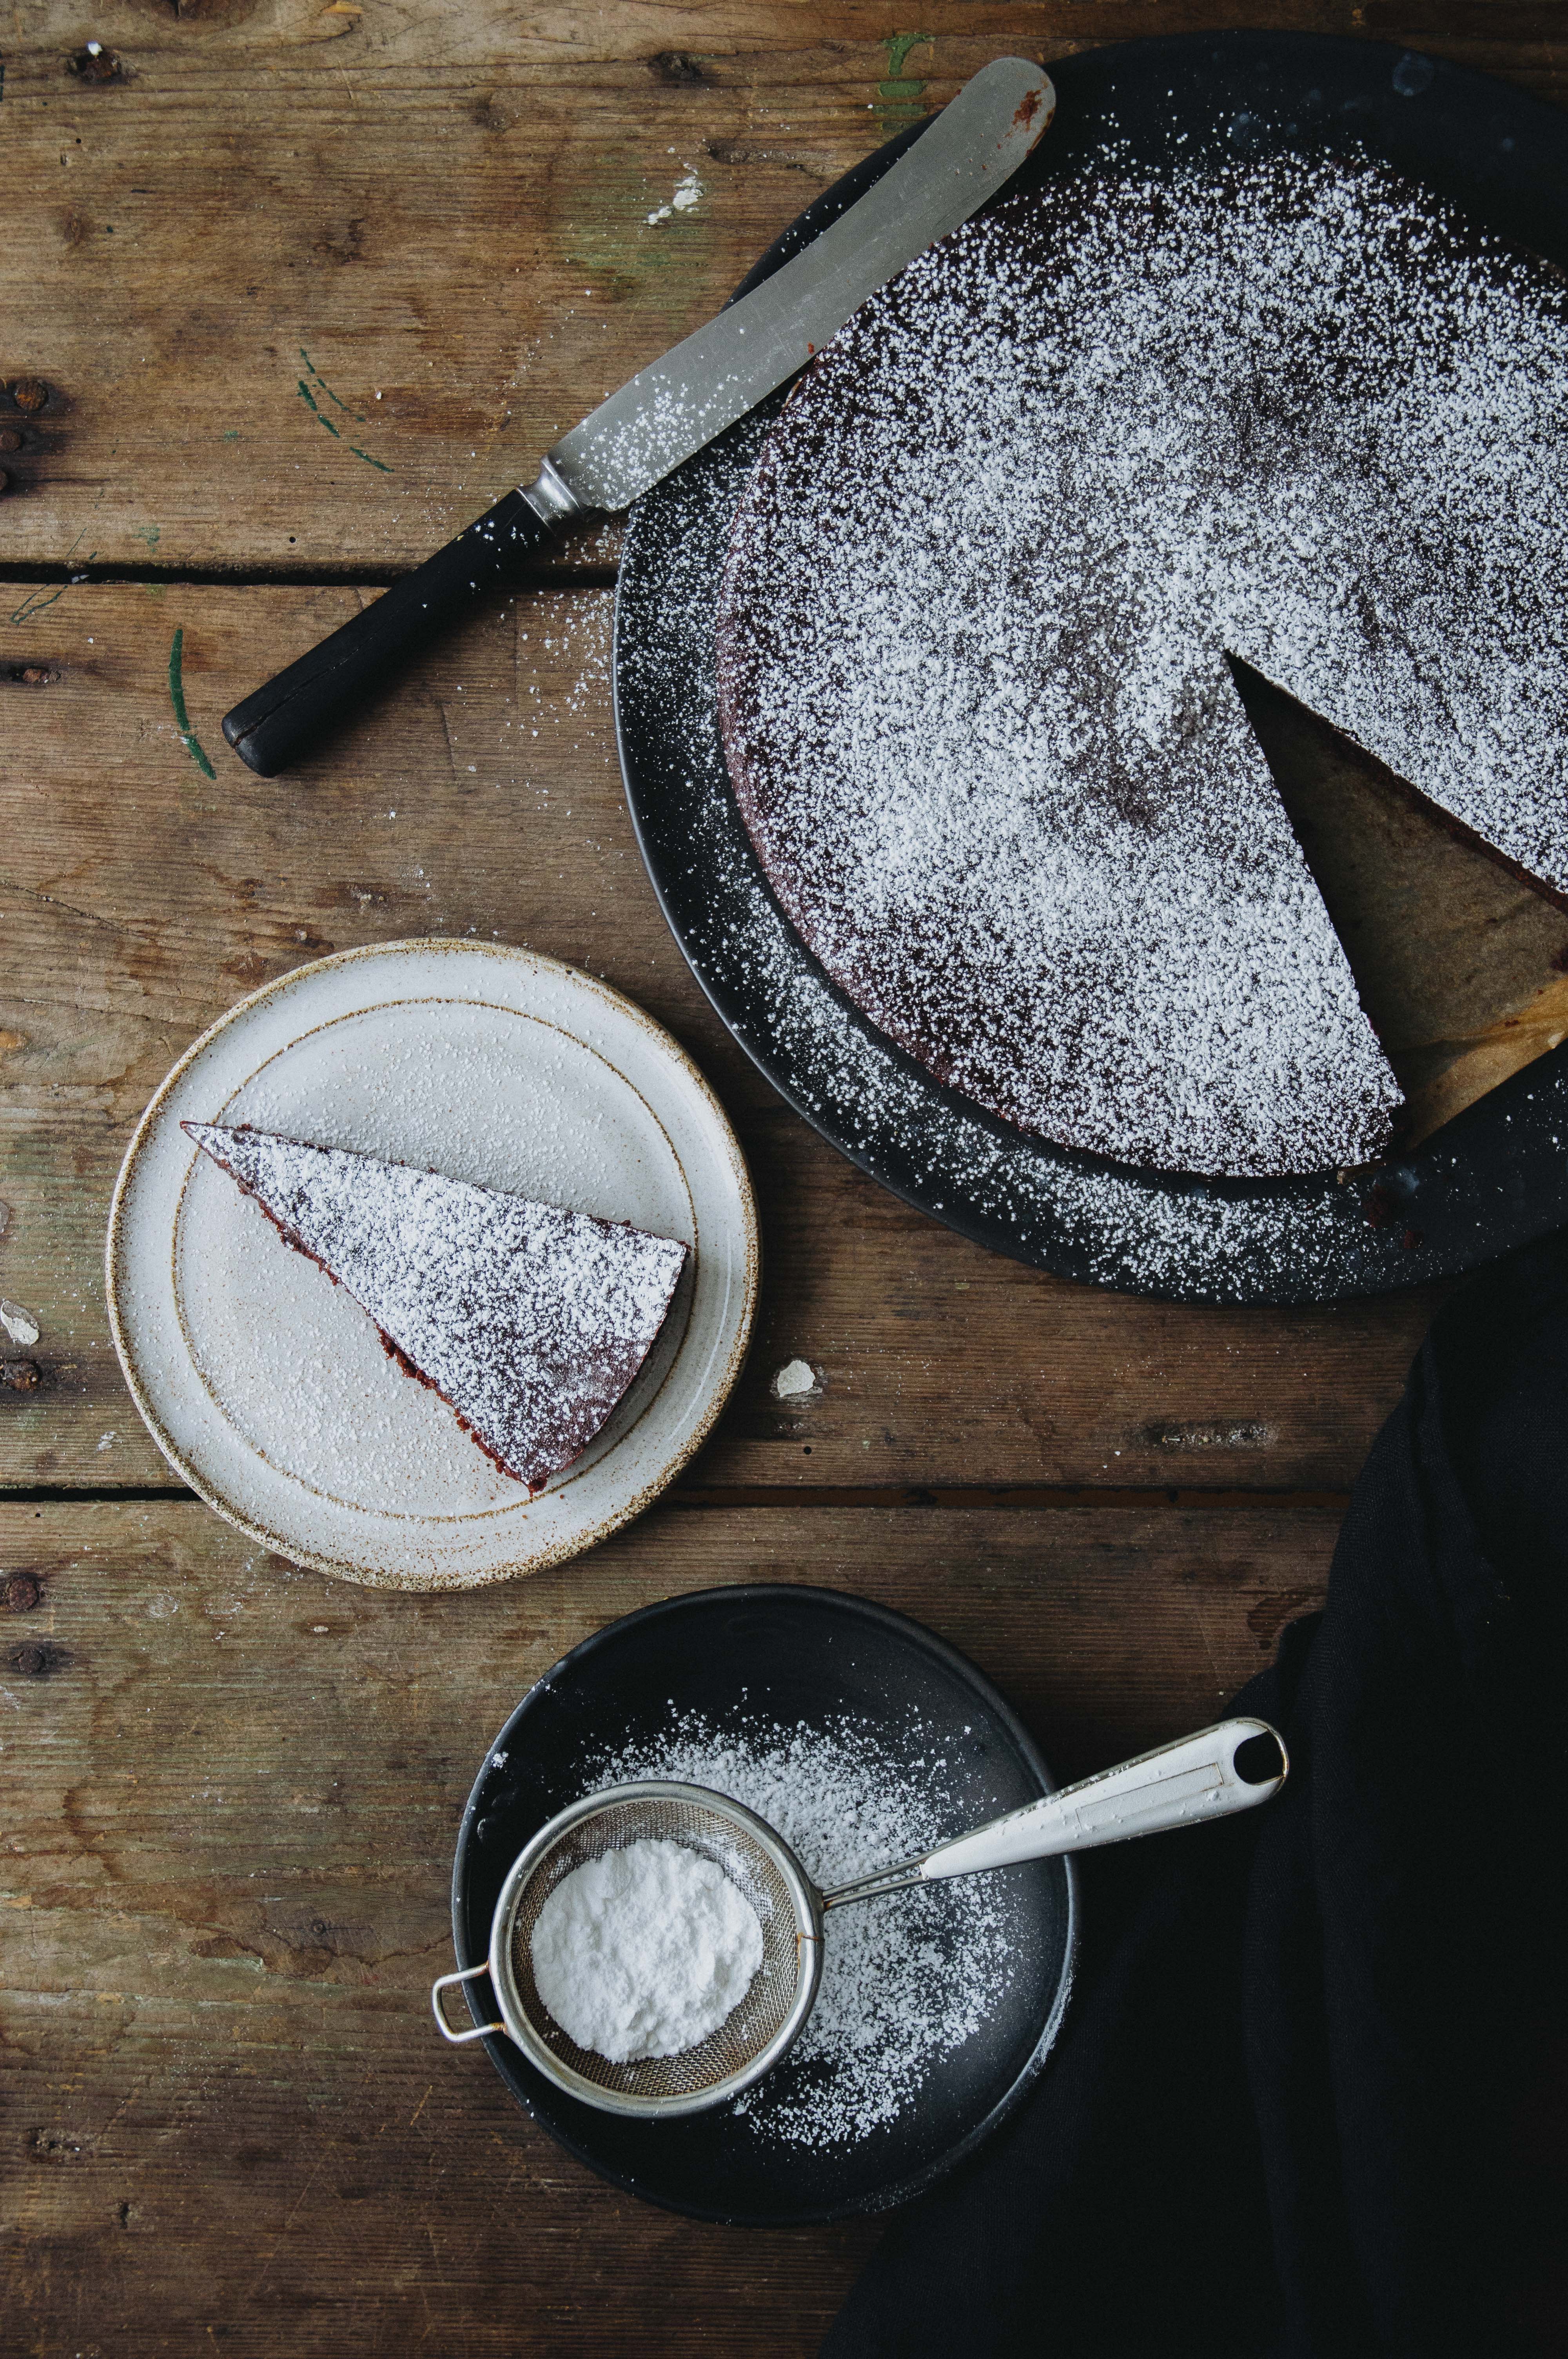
<point>444,1981</point>
<point>1232,1767</point>
<point>1196,1777</point>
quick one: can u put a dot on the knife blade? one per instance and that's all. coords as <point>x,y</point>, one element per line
<point>670,409</point>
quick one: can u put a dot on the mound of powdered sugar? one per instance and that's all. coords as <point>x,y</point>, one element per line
<point>906,1979</point>
<point>645,1950</point>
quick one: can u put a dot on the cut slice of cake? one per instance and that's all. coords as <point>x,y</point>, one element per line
<point>529,1320</point>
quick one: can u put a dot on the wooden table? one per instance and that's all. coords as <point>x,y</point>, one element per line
<point>291,291</point>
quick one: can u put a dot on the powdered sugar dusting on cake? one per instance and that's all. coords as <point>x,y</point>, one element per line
<point>529,1319</point>
<point>1121,1228</point>
<point>983,583</point>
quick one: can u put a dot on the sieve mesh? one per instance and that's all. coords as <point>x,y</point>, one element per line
<point>749,1865</point>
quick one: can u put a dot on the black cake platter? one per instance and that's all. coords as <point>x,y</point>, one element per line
<point>1495,1177</point>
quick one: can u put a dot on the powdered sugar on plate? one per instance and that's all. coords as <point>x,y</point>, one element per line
<point>907,1979</point>
<point>482,1094</point>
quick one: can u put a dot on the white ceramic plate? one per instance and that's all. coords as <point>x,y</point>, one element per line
<point>267,1388</point>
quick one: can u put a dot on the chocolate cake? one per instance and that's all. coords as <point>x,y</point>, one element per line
<point>983,584</point>
<point>529,1320</point>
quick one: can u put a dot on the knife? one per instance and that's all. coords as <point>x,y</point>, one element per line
<point>668,410</point>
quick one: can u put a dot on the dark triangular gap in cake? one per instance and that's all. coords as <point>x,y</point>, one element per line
<point>1460,956</point>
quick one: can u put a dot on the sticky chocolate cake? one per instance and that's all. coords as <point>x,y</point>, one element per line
<point>982,587</point>
<point>530,1321</point>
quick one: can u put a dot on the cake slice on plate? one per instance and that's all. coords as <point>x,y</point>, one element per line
<point>529,1320</point>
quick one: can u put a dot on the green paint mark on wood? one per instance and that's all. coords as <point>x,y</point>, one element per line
<point>232,434</point>
<point>187,737</point>
<point>311,370</point>
<point>34,604</point>
<point>899,94</point>
<point>899,47</point>
<point>147,532</point>
<point>308,398</point>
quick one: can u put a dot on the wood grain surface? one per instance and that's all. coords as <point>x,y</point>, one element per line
<point>289,291</point>
<point>233,1788</point>
<point>310,285</point>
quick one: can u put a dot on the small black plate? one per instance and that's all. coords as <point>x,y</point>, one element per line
<point>808,1655</point>
<point>1495,1177</point>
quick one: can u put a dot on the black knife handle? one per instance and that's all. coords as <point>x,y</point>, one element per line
<point>282,721</point>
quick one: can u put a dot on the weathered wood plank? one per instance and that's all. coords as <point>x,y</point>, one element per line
<point>140,898</point>
<point>312,285</point>
<point>232,1792</point>
<point>1071,1386</point>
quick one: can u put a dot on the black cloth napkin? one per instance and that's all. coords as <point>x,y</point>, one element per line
<point>1308,2103</point>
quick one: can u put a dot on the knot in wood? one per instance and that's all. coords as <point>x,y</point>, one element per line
<point>37,1658</point>
<point>20,1375</point>
<point>677,66</point>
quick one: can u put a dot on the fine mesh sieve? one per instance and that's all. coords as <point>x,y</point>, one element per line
<point>1232,1767</point>
<point>751,2039</point>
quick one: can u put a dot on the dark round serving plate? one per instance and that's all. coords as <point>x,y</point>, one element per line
<point>808,1655</point>
<point>1495,1177</point>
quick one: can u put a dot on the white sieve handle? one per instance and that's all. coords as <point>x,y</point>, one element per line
<point>1196,1777</point>
<point>444,1981</point>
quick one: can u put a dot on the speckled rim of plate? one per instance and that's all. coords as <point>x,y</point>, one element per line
<point>727,1278</point>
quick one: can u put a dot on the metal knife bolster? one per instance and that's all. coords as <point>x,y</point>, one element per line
<point>553,500</point>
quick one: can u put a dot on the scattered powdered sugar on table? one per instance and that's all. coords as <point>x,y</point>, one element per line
<point>645,1950</point>
<point>688,192</point>
<point>984,578</point>
<point>906,1979</point>
<point>19,1323</point>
